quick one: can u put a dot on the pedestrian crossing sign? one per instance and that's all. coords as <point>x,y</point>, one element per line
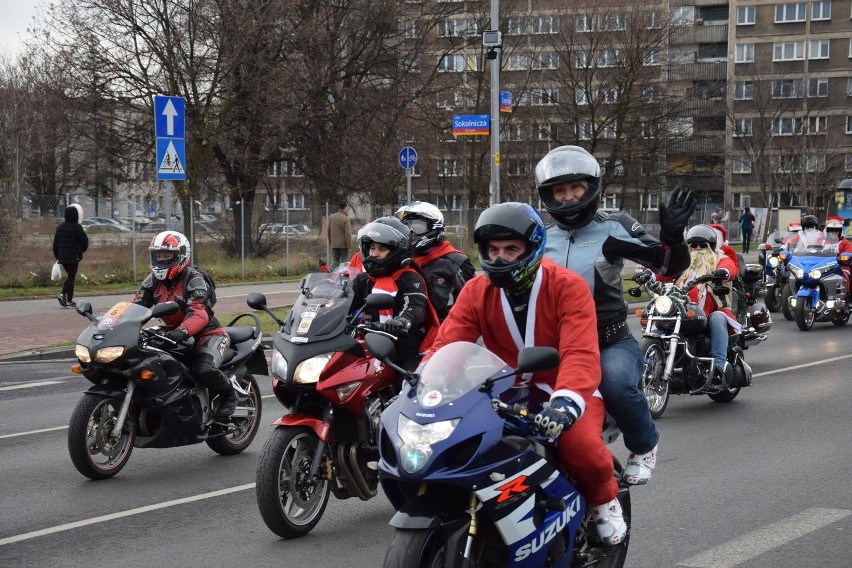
<point>171,159</point>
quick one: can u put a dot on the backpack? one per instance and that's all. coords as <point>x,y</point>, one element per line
<point>211,285</point>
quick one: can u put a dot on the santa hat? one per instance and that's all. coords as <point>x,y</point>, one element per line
<point>794,226</point>
<point>721,234</point>
<point>834,222</point>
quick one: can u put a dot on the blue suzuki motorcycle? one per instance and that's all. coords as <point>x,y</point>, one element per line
<point>473,483</point>
<point>818,283</point>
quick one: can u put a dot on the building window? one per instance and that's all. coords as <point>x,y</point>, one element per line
<point>451,28</point>
<point>617,167</point>
<point>297,201</point>
<point>815,163</point>
<point>517,168</point>
<point>546,60</point>
<point>848,160</point>
<point>788,51</point>
<point>819,48</point>
<point>451,63</point>
<point>787,126</point>
<point>651,57</point>
<point>608,132</point>
<point>653,20</point>
<point>817,125</point>
<point>821,10</point>
<point>609,201</point>
<point>649,202</point>
<point>744,53</point>
<point>651,94</point>
<point>612,22</point>
<point>849,86</point>
<point>512,133</point>
<point>786,13</point>
<point>683,16</point>
<point>787,89</point>
<point>743,127</point>
<point>584,130</point>
<point>545,25</point>
<point>585,23</point>
<point>745,15</point>
<point>448,168</point>
<point>849,125</point>
<point>450,202</point>
<point>650,130</point>
<point>818,88</point>
<point>608,96</point>
<point>741,165</point>
<point>583,59</point>
<point>581,96</point>
<point>610,58</point>
<point>743,90</point>
<point>517,62</point>
<point>543,97</point>
<point>547,132</point>
<point>516,26</point>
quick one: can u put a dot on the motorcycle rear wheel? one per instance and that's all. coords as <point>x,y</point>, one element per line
<point>245,428</point>
<point>652,384</point>
<point>95,452</point>
<point>290,503</point>
<point>804,315</point>
<point>786,292</point>
<point>773,298</point>
<point>726,395</point>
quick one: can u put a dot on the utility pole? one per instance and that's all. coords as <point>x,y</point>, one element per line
<point>493,40</point>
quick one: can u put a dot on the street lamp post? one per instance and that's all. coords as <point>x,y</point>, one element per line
<point>493,40</point>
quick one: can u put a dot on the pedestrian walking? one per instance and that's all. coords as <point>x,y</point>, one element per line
<point>340,235</point>
<point>69,244</point>
<point>747,226</point>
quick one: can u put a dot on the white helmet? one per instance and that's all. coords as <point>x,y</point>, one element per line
<point>170,255</point>
<point>426,223</point>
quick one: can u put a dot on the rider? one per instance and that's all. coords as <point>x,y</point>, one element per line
<point>526,300</point>
<point>707,257</point>
<point>173,279</point>
<point>385,246</point>
<point>444,268</point>
<point>836,241</point>
<point>810,230</point>
<point>794,229</point>
<point>595,244</point>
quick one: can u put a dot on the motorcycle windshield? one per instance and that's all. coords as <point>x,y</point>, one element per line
<point>322,307</point>
<point>455,370</point>
<point>814,243</point>
<point>123,312</point>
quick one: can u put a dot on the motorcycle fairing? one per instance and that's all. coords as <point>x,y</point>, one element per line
<point>371,375</point>
<point>320,428</point>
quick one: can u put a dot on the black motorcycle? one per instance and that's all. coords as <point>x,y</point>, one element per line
<point>775,273</point>
<point>143,394</point>
<point>676,345</point>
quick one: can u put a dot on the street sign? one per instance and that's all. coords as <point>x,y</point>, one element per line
<point>407,157</point>
<point>505,101</point>
<point>471,124</point>
<point>169,130</point>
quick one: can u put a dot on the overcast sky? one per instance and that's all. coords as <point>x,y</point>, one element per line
<point>15,16</point>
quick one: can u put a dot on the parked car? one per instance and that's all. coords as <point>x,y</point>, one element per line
<point>103,224</point>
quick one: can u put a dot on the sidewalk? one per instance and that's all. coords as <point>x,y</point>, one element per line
<point>32,329</point>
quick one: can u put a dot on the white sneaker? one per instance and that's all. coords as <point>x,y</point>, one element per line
<point>609,522</point>
<point>639,467</point>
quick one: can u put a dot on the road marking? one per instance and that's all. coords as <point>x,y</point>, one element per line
<point>802,366</point>
<point>120,514</point>
<point>739,550</point>
<point>30,385</point>
<point>34,432</point>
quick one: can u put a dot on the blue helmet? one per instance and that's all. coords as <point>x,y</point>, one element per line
<point>511,221</point>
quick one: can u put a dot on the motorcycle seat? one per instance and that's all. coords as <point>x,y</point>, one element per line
<point>240,333</point>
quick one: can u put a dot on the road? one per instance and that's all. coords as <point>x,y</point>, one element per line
<point>760,482</point>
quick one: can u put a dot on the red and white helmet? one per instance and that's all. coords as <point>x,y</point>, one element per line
<point>834,223</point>
<point>794,227</point>
<point>170,255</point>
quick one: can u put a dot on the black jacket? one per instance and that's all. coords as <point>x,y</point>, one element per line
<point>70,240</point>
<point>445,278</point>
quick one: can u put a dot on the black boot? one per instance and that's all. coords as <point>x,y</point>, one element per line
<point>227,404</point>
<point>62,302</point>
<point>720,380</point>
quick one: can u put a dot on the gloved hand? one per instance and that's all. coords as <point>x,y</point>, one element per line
<point>675,215</point>
<point>558,417</point>
<point>396,326</point>
<point>721,274</point>
<point>177,335</point>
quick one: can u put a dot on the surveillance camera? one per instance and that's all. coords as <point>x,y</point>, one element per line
<point>492,38</point>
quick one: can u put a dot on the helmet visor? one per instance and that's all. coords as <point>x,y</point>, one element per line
<point>164,258</point>
<point>417,226</point>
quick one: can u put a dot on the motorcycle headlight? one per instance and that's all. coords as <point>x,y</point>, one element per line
<point>663,305</point>
<point>109,354</point>
<point>816,274</point>
<point>308,371</point>
<point>418,439</point>
<point>798,272</point>
<point>81,352</point>
<point>773,261</point>
<point>279,365</point>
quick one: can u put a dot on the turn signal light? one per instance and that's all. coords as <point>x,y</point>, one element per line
<point>146,374</point>
<point>643,322</point>
<point>639,313</point>
<point>76,368</point>
<point>690,314</point>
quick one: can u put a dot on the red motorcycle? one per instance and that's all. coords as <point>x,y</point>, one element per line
<point>334,391</point>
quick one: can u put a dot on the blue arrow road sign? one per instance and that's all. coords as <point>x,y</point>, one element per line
<point>171,158</point>
<point>407,157</point>
<point>168,117</point>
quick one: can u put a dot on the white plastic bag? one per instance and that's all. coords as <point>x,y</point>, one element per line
<point>56,273</point>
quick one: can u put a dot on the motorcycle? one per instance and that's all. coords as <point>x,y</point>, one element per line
<point>143,394</point>
<point>776,274</point>
<point>676,345</point>
<point>818,283</point>
<point>472,481</point>
<point>334,392</point>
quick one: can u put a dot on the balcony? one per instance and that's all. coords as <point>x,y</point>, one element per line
<point>700,34</point>
<point>692,71</point>
<point>698,145</point>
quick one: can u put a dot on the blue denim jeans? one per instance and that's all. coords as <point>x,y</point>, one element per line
<point>717,325</point>
<point>621,371</point>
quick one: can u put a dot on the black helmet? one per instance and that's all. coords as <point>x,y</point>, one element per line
<point>564,164</point>
<point>810,222</point>
<point>426,223</point>
<point>701,233</point>
<point>511,221</point>
<point>389,232</point>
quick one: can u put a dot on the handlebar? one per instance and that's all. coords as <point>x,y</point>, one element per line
<point>518,415</point>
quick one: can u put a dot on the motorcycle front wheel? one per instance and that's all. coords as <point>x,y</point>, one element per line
<point>245,421</point>
<point>291,502</point>
<point>804,315</point>
<point>656,389</point>
<point>95,452</point>
<point>786,292</point>
<point>417,548</point>
<point>773,298</point>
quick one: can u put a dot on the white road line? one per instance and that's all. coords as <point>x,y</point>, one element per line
<point>30,385</point>
<point>120,514</point>
<point>33,432</point>
<point>737,551</point>
<point>802,366</point>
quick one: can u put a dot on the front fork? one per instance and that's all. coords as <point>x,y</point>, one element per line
<point>475,505</point>
<point>122,413</point>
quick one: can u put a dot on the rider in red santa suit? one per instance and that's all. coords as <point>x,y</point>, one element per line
<point>523,300</point>
<point>835,240</point>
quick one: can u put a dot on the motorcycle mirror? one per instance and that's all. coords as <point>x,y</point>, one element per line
<point>779,240</point>
<point>84,308</point>
<point>761,246</point>
<point>256,301</point>
<point>378,301</point>
<point>534,359</point>
<point>634,292</point>
<point>164,309</point>
<point>720,291</point>
<point>380,346</point>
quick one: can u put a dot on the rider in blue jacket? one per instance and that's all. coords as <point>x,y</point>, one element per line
<point>594,244</point>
